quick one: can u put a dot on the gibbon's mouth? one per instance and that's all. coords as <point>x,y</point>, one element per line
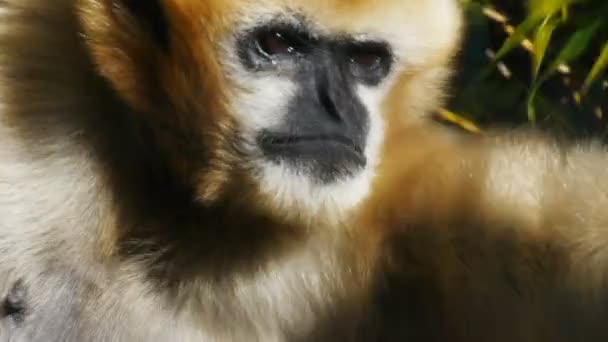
<point>286,140</point>
<point>330,153</point>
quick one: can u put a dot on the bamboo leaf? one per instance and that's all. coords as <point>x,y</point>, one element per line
<point>599,67</point>
<point>565,13</point>
<point>530,105</point>
<point>519,34</point>
<point>574,48</point>
<point>541,42</point>
<point>544,8</point>
<point>458,120</point>
<point>539,11</point>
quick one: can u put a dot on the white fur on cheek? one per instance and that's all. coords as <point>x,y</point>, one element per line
<point>263,102</point>
<point>260,99</point>
<point>294,190</point>
<point>372,100</point>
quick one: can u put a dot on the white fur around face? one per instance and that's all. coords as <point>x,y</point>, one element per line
<point>261,102</point>
<point>293,190</point>
<point>299,194</point>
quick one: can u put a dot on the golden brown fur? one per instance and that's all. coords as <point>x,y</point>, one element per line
<point>127,211</point>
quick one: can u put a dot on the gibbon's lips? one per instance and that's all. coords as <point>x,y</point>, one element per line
<point>330,151</point>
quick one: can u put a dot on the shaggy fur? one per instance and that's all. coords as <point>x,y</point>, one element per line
<point>129,210</point>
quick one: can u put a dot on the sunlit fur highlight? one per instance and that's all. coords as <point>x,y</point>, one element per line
<point>131,208</point>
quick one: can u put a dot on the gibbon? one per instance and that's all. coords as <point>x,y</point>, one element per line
<point>237,170</point>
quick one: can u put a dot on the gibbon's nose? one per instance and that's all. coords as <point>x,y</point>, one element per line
<point>325,128</point>
<point>333,94</point>
<point>328,104</point>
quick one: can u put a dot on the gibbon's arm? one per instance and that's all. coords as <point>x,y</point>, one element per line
<point>500,238</point>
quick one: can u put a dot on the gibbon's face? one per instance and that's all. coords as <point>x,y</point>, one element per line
<point>291,94</point>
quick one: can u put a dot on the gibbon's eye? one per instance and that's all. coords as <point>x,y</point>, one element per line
<point>274,43</point>
<point>369,61</point>
<point>366,59</point>
<point>279,42</point>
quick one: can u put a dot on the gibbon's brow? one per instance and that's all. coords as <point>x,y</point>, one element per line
<point>300,27</point>
<point>294,23</point>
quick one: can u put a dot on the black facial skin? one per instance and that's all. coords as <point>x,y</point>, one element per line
<point>325,132</point>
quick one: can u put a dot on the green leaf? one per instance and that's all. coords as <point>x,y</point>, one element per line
<point>530,105</point>
<point>600,65</point>
<point>541,42</point>
<point>565,13</point>
<point>544,8</point>
<point>518,35</point>
<point>539,10</point>
<point>575,46</point>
